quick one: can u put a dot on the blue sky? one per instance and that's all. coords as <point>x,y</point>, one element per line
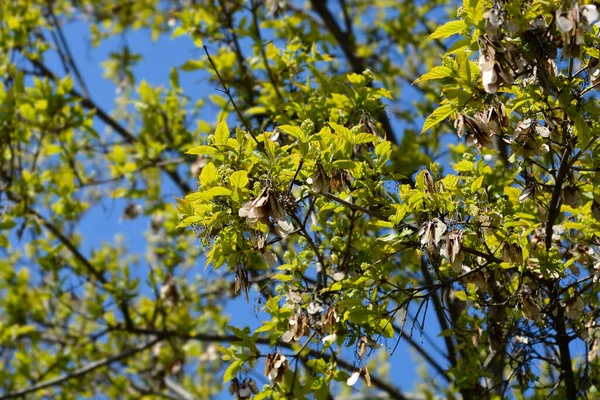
<point>101,224</point>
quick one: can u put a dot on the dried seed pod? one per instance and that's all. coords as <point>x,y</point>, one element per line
<point>531,310</point>
<point>494,18</point>
<point>596,210</point>
<point>361,347</point>
<point>451,249</point>
<point>242,281</point>
<point>429,183</point>
<point>512,254</point>
<point>571,196</point>
<point>366,376</point>
<point>275,367</point>
<point>131,211</point>
<point>169,293</point>
<point>574,307</point>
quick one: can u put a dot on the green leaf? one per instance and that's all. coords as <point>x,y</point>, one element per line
<point>232,370</point>
<point>386,327</point>
<point>341,130</point>
<point>119,155</point>
<point>209,175</point>
<point>582,131</point>
<point>356,79</point>
<point>464,66</point>
<point>208,194</point>
<point>202,150</point>
<point>464,166</point>
<point>383,151</point>
<point>191,65</point>
<point>222,133</point>
<point>360,315</point>
<point>344,164</point>
<point>439,115</point>
<point>361,138</point>
<point>180,30</point>
<point>461,295</point>
<point>448,29</point>
<point>239,179</point>
<point>438,72</point>
<point>7,224</point>
<point>294,131</point>
<point>450,182</point>
<point>476,184</point>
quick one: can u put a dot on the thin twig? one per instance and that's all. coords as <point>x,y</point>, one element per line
<point>69,55</point>
<point>228,93</point>
<point>355,207</point>
<point>263,52</point>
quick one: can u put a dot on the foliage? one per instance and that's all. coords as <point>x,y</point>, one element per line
<point>324,180</point>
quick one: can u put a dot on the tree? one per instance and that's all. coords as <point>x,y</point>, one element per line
<point>319,175</point>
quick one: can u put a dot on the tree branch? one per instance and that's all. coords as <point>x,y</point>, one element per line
<point>348,47</point>
<point>393,392</point>
<point>69,245</point>
<point>111,122</point>
<point>81,371</point>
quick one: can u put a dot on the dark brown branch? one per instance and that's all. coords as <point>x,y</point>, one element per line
<point>348,46</point>
<point>355,207</point>
<point>69,245</point>
<point>554,207</point>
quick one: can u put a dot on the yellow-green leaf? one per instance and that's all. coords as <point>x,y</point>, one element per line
<point>119,154</point>
<point>209,175</point>
<point>222,133</point>
<point>361,138</point>
<point>583,131</point>
<point>191,65</point>
<point>239,179</point>
<point>464,166</point>
<point>202,150</point>
<point>344,164</point>
<point>208,194</point>
<point>294,131</point>
<point>476,184</point>
<point>232,370</point>
<point>438,72</point>
<point>461,295</point>
<point>450,182</point>
<point>448,29</point>
<point>440,114</point>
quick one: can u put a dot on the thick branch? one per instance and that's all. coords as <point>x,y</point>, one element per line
<point>554,207</point>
